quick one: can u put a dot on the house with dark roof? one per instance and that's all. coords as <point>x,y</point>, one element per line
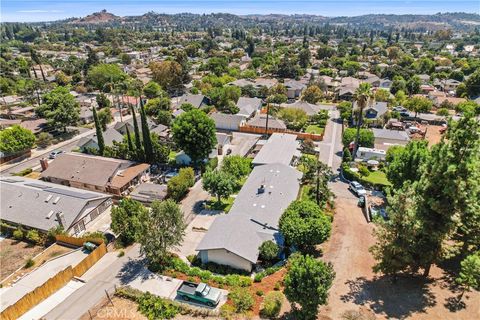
<point>109,137</point>
<point>234,239</point>
<point>294,88</point>
<point>42,205</point>
<point>95,173</point>
<point>375,111</point>
<point>196,100</point>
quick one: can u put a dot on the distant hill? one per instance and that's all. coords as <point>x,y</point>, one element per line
<point>97,18</point>
<point>189,21</point>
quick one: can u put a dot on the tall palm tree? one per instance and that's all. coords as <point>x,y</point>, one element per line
<point>363,96</point>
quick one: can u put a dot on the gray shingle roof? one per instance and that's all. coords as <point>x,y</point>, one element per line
<point>390,134</point>
<point>195,100</point>
<point>260,120</point>
<point>254,216</point>
<point>24,201</point>
<point>280,148</point>
<point>248,105</point>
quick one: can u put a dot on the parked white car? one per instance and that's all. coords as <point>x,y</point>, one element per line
<point>357,189</point>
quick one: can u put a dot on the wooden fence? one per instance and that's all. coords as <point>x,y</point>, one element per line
<point>53,284</point>
<point>77,242</point>
<point>300,135</point>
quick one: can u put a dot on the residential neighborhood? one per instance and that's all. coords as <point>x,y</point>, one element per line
<point>239,165</point>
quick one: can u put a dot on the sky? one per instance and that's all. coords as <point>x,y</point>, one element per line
<point>48,10</point>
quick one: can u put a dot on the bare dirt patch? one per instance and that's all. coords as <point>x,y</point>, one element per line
<point>122,309</point>
<point>14,254</point>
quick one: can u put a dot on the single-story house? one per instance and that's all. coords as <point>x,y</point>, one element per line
<point>94,173</point>
<point>310,109</point>
<point>234,239</point>
<point>279,148</point>
<point>121,126</point>
<point>42,205</point>
<point>196,100</point>
<point>109,136</point>
<point>227,122</point>
<point>385,138</point>
<point>294,88</point>
<point>86,115</point>
<point>375,111</point>
<point>260,121</point>
<point>248,106</point>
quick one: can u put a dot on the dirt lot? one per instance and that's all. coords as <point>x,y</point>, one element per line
<point>356,288</point>
<point>14,254</point>
<point>433,135</point>
<point>122,309</point>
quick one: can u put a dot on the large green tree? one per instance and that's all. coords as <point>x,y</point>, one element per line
<point>126,217</point>
<point>194,132</point>
<point>16,139</point>
<point>306,284</point>
<point>60,108</point>
<point>100,76</point>
<point>219,184</point>
<point>161,229</point>
<point>405,163</point>
<point>303,224</point>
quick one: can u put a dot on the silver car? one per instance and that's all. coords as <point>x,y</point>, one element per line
<point>357,189</point>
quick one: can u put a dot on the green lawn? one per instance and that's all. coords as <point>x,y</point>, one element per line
<point>313,128</point>
<point>225,205</point>
<point>377,177</point>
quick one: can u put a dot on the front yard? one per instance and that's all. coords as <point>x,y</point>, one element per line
<point>14,254</point>
<point>315,129</point>
<point>377,178</point>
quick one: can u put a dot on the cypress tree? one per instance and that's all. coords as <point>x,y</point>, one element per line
<point>98,129</point>
<point>147,140</point>
<point>138,142</point>
<point>129,141</point>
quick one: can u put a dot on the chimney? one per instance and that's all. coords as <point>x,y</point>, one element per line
<point>44,164</point>
<point>61,220</point>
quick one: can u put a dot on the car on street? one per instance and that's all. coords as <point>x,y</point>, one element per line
<point>357,189</point>
<point>201,293</point>
<point>55,153</point>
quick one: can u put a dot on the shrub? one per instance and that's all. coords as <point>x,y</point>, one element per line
<point>29,263</point>
<point>121,253</point>
<point>277,286</point>
<point>154,307</point>
<point>268,250</point>
<point>242,299</point>
<point>18,234</point>
<point>7,229</point>
<point>178,186</point>
<point>259,293</point>
<point>364,172</point>
<point>259,276</point>
<point>272,304</point>
<point>24,172</point>
<point>53,232</point>
<point>366,137</point>
<point>347,155</point>
<point>227,311</point>
<point>33,236</point>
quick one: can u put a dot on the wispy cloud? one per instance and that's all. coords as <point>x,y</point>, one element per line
<point>39,11</point>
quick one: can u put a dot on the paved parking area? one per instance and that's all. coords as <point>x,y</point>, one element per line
<point>166,287</point>
<point>195,232</point>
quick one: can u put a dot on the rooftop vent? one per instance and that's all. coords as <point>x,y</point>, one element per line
<point>50,214</point>
<point>56,200</point>
<point>48,198</point>
<point>261,189</point>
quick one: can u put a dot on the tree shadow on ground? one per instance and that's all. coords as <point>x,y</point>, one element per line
<point>407,296</point>
<point>451,270</point>
<point>132,270</point>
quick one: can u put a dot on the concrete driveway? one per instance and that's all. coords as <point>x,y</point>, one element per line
<point>195,232</point>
